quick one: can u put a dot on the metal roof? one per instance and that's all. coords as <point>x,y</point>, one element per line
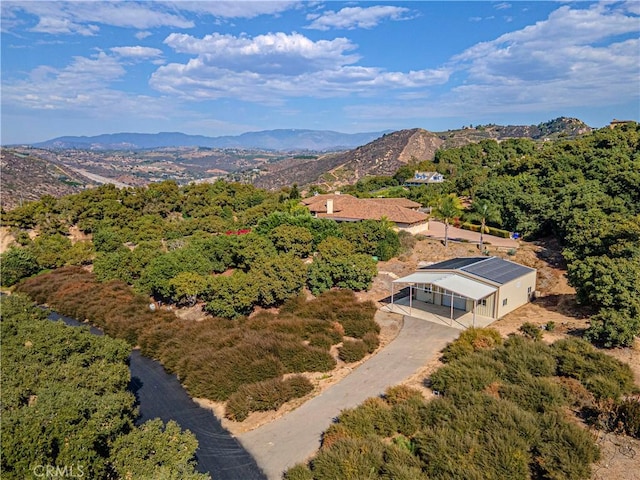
<point>452,282</point>
<point>497,270</point>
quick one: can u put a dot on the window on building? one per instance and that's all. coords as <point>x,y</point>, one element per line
<point>483,302</point>
<point>529,290</point>
<point>504,302</point>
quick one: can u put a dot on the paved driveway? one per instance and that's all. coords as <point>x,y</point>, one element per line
<point>296,436</point>
<point>436,230</point>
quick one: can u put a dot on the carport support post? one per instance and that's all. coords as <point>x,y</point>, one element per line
<point>475,303</point>
<point>410,297</point>
<point>452,307</point>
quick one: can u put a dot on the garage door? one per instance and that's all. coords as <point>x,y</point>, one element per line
<point>458,303</point>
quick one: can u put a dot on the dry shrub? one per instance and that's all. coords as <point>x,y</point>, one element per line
<point>401,394</point>
<point>266,395</point>
<point>372,341</point>
<point>335,432</point>
<point>352,351</point>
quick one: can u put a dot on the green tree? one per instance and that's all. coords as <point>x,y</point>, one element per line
<point>230,296</point>
<point>354,272</point>
<point>332,247</point>
<point>157,451</point>
<point>51,251</point>
<point>186,287</point>
<point>373,237</point>
<point>483,211</point>
<point>252,248</point>
<point>16,264</point>
<point>449,208</point>
<point>278,279</point>
<point>291,239</point>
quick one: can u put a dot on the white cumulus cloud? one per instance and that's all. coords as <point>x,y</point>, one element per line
<point>276,66</point>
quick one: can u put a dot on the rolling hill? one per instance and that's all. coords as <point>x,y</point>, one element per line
<point>386,154</point>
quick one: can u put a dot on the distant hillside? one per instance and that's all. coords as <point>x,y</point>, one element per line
<point>562,127</point>
<point>281,140</point>
<point>25,178</point>
<point>386,154</point>
<point>380,157</point>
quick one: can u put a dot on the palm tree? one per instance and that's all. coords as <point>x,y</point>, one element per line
<point>448,208</point>
<point>484,211</point>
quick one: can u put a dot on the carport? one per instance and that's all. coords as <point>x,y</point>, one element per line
<point>452,288</point>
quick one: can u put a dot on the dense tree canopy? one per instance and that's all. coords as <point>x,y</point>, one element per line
<point>65,404</point>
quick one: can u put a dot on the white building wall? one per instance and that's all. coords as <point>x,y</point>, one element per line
<point>516,293</point>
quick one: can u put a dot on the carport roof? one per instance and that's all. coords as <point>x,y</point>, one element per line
<point>452,282</point>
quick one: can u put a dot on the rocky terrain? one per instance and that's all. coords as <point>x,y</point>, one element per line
<point>26,177</point>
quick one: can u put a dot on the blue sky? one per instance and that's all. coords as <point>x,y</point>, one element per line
<point>225,68</point>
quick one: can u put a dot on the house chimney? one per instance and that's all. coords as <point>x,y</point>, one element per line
<point>330,206</point>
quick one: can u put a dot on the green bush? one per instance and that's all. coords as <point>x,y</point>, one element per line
<point>565,450</point>
<point>628,415</point>
<point>406,417</point>
<point>600,373</point>
<point>349,459</point>
<point>471,226</point>
<point>352,351</point>
<point>298,472</point>
<point>531,331</point>
<point>535,394</point>
<point>496,232</point>
<point>471,340</point>
<point>399,394</point>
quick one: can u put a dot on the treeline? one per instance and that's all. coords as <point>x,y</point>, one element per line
<point>503,411</point>
<point>584,192</point>
<point>242,361</point>
<point>66,411</point>
<point>175,243</point>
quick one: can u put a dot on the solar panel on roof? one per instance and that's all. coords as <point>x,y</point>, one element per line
<point>497,270</point>
<point>454,263</point>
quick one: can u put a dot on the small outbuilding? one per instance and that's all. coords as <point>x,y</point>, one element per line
<point>489,287</point>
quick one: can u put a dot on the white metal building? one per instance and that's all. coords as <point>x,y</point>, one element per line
<point>486,286</point>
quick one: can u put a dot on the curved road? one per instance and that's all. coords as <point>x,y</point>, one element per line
<point>296,436</point>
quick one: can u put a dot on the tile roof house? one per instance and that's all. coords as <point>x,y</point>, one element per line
<point>347,208</point>
<point>490,287</point>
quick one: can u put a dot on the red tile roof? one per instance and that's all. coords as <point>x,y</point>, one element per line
<point>348,207</point>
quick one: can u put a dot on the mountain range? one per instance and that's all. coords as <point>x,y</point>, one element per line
<point>30,172</point>
<point>279,140</point>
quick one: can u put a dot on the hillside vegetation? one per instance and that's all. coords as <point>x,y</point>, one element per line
<point>193,246</point>
<point>386,154</point>
<point>503,411</point>
<point>26,178</point>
